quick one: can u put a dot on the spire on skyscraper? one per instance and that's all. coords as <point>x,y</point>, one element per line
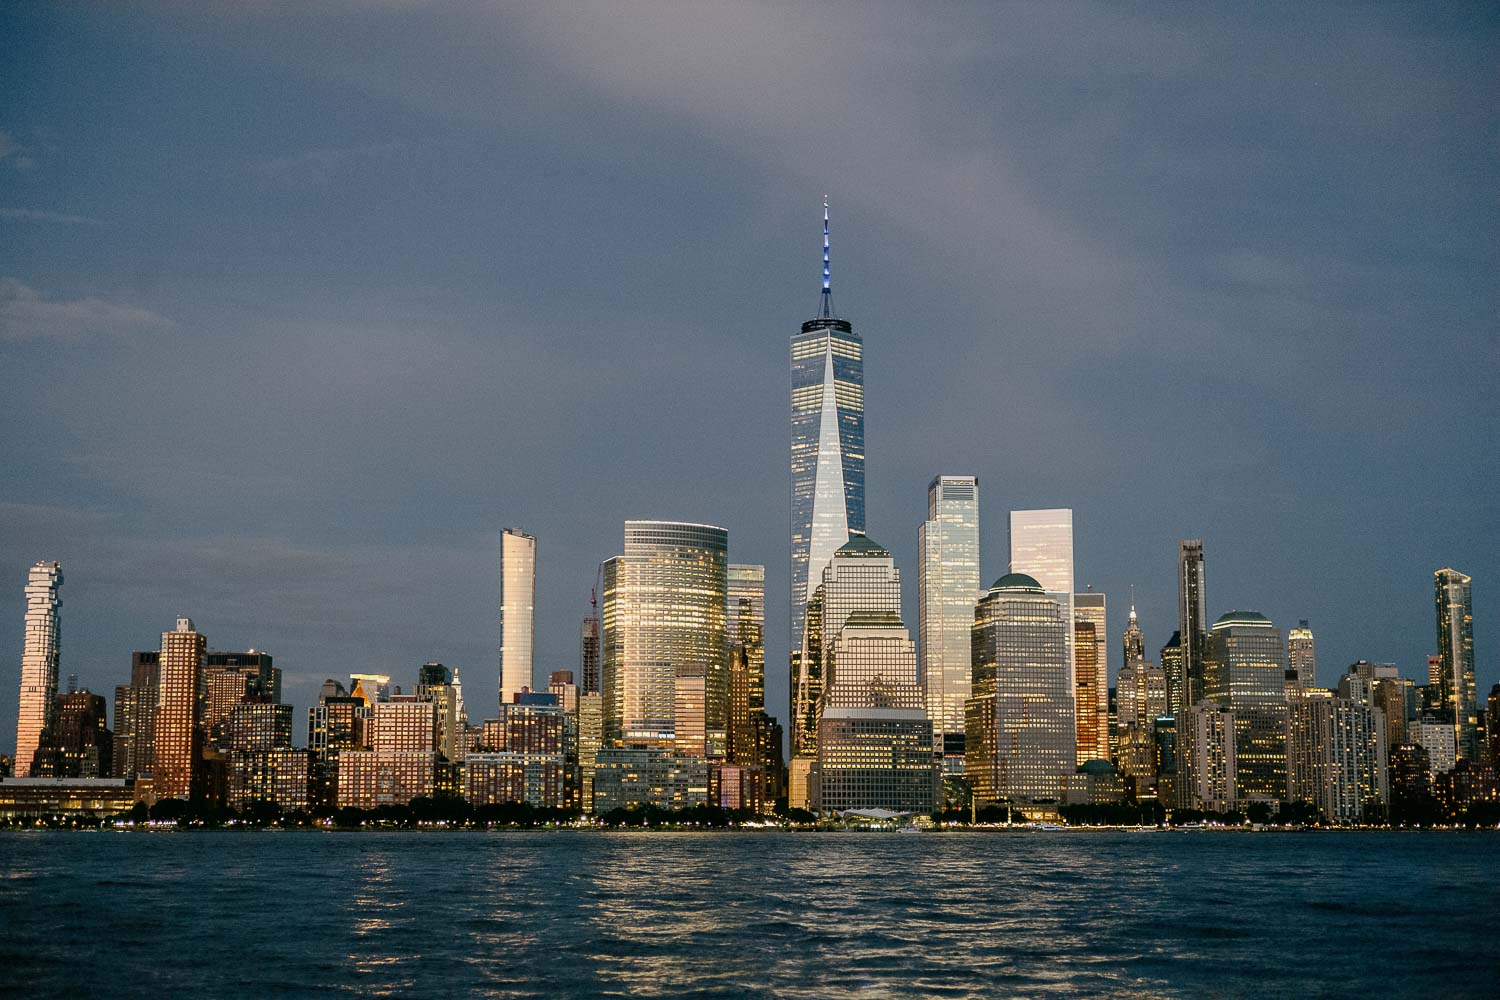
<point>827,282</point>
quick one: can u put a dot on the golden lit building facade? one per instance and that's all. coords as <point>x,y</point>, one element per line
<point>1243,672</point>
<point>178,731</point>
<point>40,656</point>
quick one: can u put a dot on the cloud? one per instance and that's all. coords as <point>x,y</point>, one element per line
<point>41,215</point>
<point>25,314</point>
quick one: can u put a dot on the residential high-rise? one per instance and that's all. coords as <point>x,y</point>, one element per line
<point>1455,634</point>
<point>179,735</point>
<point>947,590</point>
<point>1301,655</point>
<point>527,759</point>
<point>1021,730</point>
<point>588,653</point>
<point>335,724</point>
<point>76,742</point>
<point>517,611</point>
<point>1206,757</point>
<point>135,715</point>
<point>590,741</point>
<point>1091,676</point>
<point>402,762</point>
<point>1336,756</point>
<point>40,655</point>
<point>436,685</point>
<point>874,739</point>
<point>1192,620</point>
<point>664,619</point>
<point>1243,672</point>
<point>827,448</point>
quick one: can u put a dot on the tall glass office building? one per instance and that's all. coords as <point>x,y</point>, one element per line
<point>1243,672</point>
<point>1021,731</point>
<point>947,589</point>
<point>745,624</point>
<point>664,618</point>
<point>39,660</point>
<point>517,611</point>
<point>1455,636</point>
<point>828,448</point>
<point>1041,547</point>
<point>1192,622</point>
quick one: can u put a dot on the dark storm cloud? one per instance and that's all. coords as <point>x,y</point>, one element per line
<point>1193,273</point>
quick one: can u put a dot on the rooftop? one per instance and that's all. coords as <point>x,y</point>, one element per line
<point>1018,581</point>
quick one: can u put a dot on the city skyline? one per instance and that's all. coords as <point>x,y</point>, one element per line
<point>1313,514</point>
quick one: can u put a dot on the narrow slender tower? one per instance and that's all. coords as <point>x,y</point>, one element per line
<point>39,659</point>
<point>517,610</point>
<point>827,451</point>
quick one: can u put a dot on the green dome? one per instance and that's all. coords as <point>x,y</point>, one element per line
<point>860,544</point>
<point>1018,581</point>
<point>1102,768</point>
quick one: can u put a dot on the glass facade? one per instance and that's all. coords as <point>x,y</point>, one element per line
<point>745,626</point>
<point>1243,672</point>
<point>1192,622</point>
<point>1091,676</point>
<point>517,611</point>
<point>1301,655</point>
<point>39,660</point>
<point>1041,547</point>
<point>664,617</point>
<point>1455,636</point>
<point>1020,720</point>
<point>947,589</point>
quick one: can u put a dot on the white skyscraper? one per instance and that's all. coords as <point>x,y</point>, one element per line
<point>1041,546</point>
<point>39,659</point>
<point>517,610</point>
<point>947,590</point>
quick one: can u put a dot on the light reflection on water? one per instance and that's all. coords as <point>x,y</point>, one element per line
<point>729,914</point>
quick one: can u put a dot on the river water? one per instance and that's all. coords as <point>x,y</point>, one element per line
<point>293,914</point>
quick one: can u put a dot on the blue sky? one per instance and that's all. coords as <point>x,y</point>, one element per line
<point>299,306</point>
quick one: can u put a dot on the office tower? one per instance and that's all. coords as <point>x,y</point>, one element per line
<point>1455,629</point>
<point>560,685</point>
<point>402,762</point>
<point>1192,621</point>
<point>1301,656</point>
<point>179,740</point>
<point>741,748</point>
<point>859,576</point>
<point>75,743</point>
<point>947,589</point>
<point>690,711</point>
<point>1041,547</point>
<point>664,619</point>
<point>1336,756</point>
<point>827,448</point>
<point>1091,676</point>
<point>262,677</point>
<point>335,724</point>
<point>39,660</point>
<point>1172,669</point>
<point>1435,671</point>
<point>1379,686</point>
<point>874,739</point>
<point>135,715</point>
<point>745,624</point>
<point>1134,641</point>
<point>1243,672</point>
<point>1207,758</point>
<point>517,610</point>
<point>588,653</point>
<point>1021,733</point>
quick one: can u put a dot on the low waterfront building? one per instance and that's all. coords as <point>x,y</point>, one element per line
<point>648,776</point>
<point>32,798</point>
<point>277,774</point>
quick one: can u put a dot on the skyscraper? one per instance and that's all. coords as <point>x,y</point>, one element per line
<point>1192,621</point>
<point>1171,666</point>
<point>827,447</point>
<point>1301,655</point>
<point>874,740</point>
<point>1091,676</point>
<point>1041,547</point>
<point>1021,740</point>
<point>39,660</point>
<point>1243,672</point>
<point>179,738</point>
<point>517,611</point>
<point>135,715</point>
<point>1336,755</point>
<point>1455,633</point>
<point>588,653</point>
<point>947,589</point>
<point>1134,641</point>
<point>663,619</point>
<point>745,626</point>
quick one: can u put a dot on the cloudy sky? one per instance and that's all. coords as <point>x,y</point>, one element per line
<point>299,305</point>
